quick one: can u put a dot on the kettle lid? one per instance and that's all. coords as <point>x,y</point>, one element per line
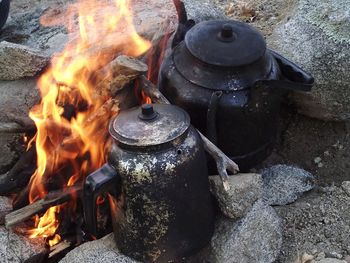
<point>225,43</point>
<point>149,125</point>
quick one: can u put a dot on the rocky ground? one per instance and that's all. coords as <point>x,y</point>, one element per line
<point>315,226</point>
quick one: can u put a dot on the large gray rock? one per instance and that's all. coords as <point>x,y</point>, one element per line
<point>201,10</point>
<point>245,190</point>
<point>284,184</point>
<point>15,248</point>
<point>257,238</point>
<point>317,37</point>
<point>25,22</point>
<point>99,251</point>
<point>18,61</point>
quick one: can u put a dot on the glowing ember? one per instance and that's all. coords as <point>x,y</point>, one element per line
<point>68,137</point>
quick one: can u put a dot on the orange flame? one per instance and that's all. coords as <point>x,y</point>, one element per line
<point>77,143</point>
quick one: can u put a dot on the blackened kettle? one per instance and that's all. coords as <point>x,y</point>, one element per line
<point>232,86</point>
<point>157,180</point>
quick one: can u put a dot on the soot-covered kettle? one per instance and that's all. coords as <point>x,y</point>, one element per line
<point>157,181</point>
<point>231,85</point>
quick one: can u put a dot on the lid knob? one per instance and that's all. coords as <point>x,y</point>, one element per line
<point>147,112</point>
<point>226,31</point>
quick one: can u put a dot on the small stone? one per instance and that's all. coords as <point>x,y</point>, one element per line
<point>19,61</point>
<point>201,10</point>
<point>5,208</point>
<point>326,153</point>
<point>320,165</point>
<point>99,251</point>
<point>334,254</point>
<point>347,259</point>
<point>284,184</point>
<point>15,248</point>
<point>256,238</point>
<point>306,258</point>
<point>317,160</point>
<point>245,190</point>
<point>346,187</point>
<point>320,256</point>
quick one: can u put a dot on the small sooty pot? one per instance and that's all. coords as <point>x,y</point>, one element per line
<point>157,180</point>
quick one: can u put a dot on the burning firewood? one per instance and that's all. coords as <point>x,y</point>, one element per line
<point>223,162</point>
<point>51,199</point>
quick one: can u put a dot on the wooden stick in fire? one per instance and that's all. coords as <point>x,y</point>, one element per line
<point>51,199</point>
<point>223,162</point>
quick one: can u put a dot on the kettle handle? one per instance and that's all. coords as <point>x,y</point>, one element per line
<point>293,77</point>
<point>184,25</point>
<point>103,180</point>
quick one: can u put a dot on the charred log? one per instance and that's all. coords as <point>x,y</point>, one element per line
<point>51,199</point>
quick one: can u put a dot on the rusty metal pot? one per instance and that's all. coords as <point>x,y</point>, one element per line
<point>158,183</point>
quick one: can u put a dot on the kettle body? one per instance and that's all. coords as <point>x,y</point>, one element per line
<point>232,86</point>
<point>161,205</point>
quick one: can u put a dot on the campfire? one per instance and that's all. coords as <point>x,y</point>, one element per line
<point>77,103</point>
<point>112,137</point>
<point>80,91</point>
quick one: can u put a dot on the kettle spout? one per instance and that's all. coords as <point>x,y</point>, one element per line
<point>292,76</point>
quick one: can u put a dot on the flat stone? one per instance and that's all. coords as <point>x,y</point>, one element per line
<point>99,251</point>
<point>284,184</point>
<point>15,248</point>
<point>18,61</point>
<point>257,238</point>
<point>245,190</point>
<point>5,208</point>
<point>317,37</point>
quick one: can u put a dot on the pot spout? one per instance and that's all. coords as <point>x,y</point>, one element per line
<point>292,76</point>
